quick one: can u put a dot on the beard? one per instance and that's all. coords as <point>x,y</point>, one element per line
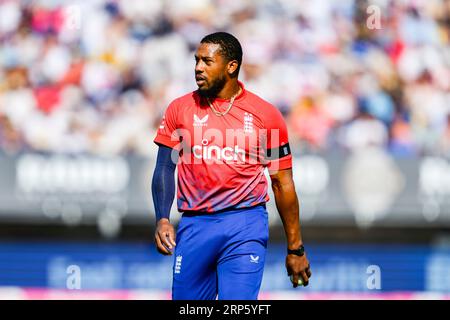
<point>215,87</point>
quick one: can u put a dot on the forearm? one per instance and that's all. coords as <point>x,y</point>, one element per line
<point>163,184</point>
<point>163,192</point>
<point>288,207</point>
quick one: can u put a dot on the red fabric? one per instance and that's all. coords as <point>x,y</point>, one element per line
<point>221,164</point>
<point>45,20</point>
<point>47,98</point>
<point>396,50</point>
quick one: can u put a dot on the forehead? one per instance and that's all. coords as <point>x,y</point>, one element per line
<point>211,50</point>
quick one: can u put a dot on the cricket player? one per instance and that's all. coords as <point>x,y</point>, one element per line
<point>221,138</point>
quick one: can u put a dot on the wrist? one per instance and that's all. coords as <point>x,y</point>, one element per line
<point>294,245</point>
<point>162,221</point>
<point>299,251</point>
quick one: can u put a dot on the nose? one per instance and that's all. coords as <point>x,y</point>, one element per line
<point>199,67</point>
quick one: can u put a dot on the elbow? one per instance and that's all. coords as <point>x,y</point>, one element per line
<point>276,185</point>
<point>280,186</point>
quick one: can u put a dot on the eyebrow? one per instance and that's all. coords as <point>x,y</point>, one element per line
<point>204,58</point>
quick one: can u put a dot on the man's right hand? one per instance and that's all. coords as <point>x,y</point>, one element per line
<point>165,237</point>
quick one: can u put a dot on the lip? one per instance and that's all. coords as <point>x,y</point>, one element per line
<point>200,81</point>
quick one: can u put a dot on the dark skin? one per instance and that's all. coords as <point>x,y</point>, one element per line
<point>217,77</point>
<point>287,204</point>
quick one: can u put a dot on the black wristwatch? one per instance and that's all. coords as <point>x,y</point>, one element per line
<point>298,252</point>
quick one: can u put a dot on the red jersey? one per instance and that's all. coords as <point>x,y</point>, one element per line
<point>222,158</point>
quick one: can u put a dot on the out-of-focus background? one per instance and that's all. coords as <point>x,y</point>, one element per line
<point>365,90</point>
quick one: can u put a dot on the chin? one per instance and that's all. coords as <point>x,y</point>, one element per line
<point>204,91</point>
<point>212,89</point>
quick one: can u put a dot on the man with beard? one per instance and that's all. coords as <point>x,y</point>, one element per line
<point>222,137</point>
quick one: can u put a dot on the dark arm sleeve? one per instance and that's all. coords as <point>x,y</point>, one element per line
<point>163,182</point>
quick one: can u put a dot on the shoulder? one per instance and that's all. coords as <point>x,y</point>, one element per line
<point>183,101</point>
<point>191,97</point>
<point>264,109</point>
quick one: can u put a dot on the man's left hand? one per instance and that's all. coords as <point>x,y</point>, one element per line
<point>298,267</point>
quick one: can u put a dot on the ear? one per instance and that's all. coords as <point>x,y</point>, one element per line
<point>232,67</point>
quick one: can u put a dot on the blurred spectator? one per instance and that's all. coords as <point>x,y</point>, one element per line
<point>364,131</point>
<point>11,140</point>
<point>401,139</point>
<point>444,143</point>
<point>96,76</point>
<point>310,123</point>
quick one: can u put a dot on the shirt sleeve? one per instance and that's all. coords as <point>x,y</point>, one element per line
<point>167,132</point>
<point>277,150</point>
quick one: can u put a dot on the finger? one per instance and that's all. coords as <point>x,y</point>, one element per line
<point>162,249</point>
<point>304,278</point>
<point>164,236</point>
<point>172,237</point>
<point>288,269</point>
<point>308,272</point>
<point>295,280</point>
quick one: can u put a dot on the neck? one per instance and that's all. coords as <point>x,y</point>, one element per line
<point>230,89</point>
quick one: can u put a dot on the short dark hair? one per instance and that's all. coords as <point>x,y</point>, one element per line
<point>230,48</point>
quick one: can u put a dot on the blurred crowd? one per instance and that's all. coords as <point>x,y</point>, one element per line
<point>96,76</point>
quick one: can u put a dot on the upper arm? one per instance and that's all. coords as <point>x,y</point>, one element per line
<point>167,157</point>
<point>278,151</point>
